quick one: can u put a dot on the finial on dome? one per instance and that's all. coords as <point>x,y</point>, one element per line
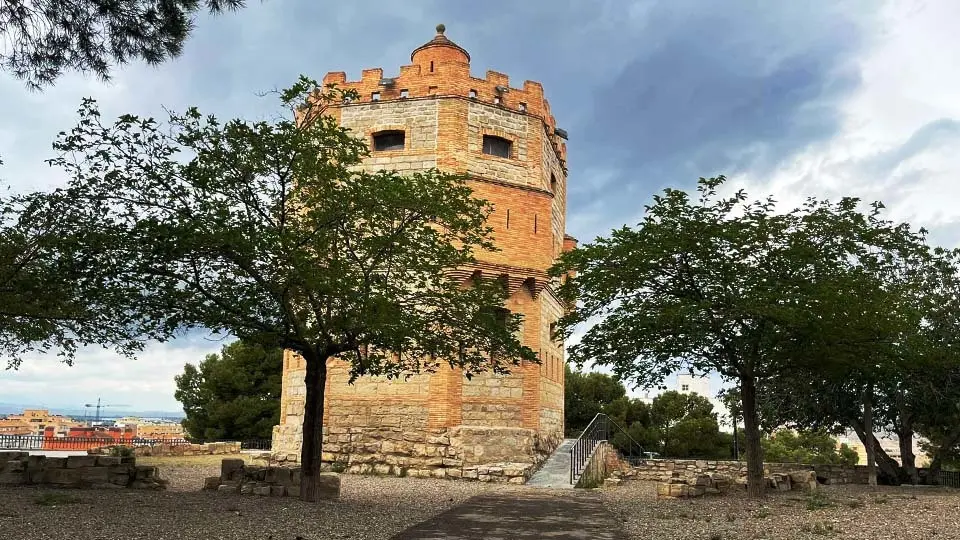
<point>441,28</point>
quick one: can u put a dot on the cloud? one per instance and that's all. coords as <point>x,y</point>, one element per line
<point>792,98</point>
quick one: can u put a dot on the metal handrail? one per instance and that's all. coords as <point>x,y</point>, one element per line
<point>597,431</point>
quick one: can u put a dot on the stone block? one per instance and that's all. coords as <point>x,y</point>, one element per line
<point>278,491</point>
<point>228,488</point>
<point>94,475</point>
<point>15,465</point>
<point>246,488</point>
<point>13,477</point>
<point>231,469</point>
<point>145,472</point>
<point>663,489</point>
<point>55,463</point>
<point>262,491</point>
<point>211,483</point>
<point>120,479</point>
<point>62,477</point>
<point>106,461</point>
<point>328,486</point>
<point>76,462</point>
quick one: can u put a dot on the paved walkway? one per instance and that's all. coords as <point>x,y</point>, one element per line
<point>555,472</point>
<point>538,514</point>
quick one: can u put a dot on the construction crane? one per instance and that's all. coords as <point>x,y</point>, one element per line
<point>98,406</point>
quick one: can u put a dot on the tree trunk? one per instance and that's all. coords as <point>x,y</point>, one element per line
<point>908,461</point>
<point>936,463</point>
<point>889,468</point>
<point>751,431</point>
<point>316,380</point>
<point>868,428</point>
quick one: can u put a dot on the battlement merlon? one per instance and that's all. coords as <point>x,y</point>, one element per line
<point>441,68</point>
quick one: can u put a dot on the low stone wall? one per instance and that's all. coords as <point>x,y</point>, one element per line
<point>173,449</point>
<point>95,472</point>
<point>603,462</point>
<point>238,477</point>
<point>486,454</point>
<point>659,469</point>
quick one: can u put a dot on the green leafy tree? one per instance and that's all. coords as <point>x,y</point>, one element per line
<point>818,447</point>
<point>270,232</point>
<point>586,395</point>
<point>43,38</point>
<point>234,395</point>
<point>724,285</point>
<point>50,299</point>
<point>686,425</point>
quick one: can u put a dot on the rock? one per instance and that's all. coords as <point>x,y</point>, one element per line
<point>75,462</point>
<point>611,482</point>
<point>94,475</point>
<point>231,469</point>
<point>211,483</point>
<point>262,491</point>
<point>62,477</point>
<point>663,489</point>
<point>13,478</point>
<point>278,491</point>
<point>703,480</point>
<point>106,461</point>
<point>145,472</point>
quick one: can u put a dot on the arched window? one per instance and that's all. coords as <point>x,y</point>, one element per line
<point>388,140</point>
<point>496,146</point>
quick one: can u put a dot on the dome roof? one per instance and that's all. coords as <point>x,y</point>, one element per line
<point>440,40</point>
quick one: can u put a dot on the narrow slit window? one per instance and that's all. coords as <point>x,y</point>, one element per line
<point>431,66</point>
<point>523,107</point>
<point>534,224</point>
<point>553,183</point>
<point>404,93</point>
<point>508,218</point>
<point>473,93</point>
<point>375,96</point>
<point>496,146</point>
<point>433,90</point>
<point>496,100</point>
<point>388,140</point>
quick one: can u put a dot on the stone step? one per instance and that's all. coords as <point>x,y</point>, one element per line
<point>555,472</point>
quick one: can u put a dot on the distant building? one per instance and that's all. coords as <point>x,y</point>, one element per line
<point>151,429</point>
<point>36,422</point>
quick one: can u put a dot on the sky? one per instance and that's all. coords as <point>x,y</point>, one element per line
<point>829,98</point>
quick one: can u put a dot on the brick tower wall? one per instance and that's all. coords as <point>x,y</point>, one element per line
<point>443,424</point>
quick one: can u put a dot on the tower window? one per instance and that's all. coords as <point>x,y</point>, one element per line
<point>496,146</point>
<point>523,107</point>
<point>375,96</point>
<point>404,93</point>
<point>553,183</point>
<point>684,387</point>
<point>496,100</point>
<point>388,140</point>
<point>431,66</point>
<point>473,93</point>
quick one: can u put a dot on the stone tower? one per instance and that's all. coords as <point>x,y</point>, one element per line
<point>435,114</point>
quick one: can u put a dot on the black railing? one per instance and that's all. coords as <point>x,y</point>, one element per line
<point>600,429</point>
<point>41,442</point>
<point>949,479</point>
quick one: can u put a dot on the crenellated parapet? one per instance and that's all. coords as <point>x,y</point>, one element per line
<point>441,69</point>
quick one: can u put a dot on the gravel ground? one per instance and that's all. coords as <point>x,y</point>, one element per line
<point>369,508</point>
<point>859,512</point>
<point>379,507</point>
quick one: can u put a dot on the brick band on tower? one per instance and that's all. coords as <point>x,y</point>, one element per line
<point>505,140</point>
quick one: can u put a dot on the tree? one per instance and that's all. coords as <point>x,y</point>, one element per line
<point>234,395</point>
<point>46,37</point>
<point>729,286</point>
<point>818,447</point>
<point>50,299</point>
<point>686,426</point>
<point>586,395</point>
<point>269,231</point>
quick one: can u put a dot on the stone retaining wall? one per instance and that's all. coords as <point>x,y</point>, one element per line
<point>486,454</point>
<point>168,449</point>
<point>659,469</point>
<point>95,472</point>
<point>238,477</point>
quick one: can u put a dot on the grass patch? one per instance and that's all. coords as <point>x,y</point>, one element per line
<point>55,499</point>
<point>817,500</point>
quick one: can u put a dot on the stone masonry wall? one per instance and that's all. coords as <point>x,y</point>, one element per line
<point>95,472</point>
<point>660,469</point>
<point>166,449</point>
<point>417,119</point>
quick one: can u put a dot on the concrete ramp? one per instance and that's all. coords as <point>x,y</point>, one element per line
<point>555,472</point>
